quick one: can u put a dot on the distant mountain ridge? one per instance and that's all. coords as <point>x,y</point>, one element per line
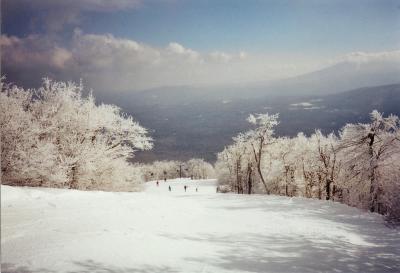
<point>345,75</point>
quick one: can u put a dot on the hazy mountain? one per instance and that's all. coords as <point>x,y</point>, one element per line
<point>345,75</point>
<point>342,76</point>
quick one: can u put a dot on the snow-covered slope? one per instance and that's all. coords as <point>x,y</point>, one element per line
<point>53,230</point>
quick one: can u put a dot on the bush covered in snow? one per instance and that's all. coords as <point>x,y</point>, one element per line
<point>360,167</point>
<point>55,137</point>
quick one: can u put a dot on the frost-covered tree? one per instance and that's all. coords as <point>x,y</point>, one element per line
<point>66,140</point>
<point>323,163</point>
<point>366,148</point>
<point>361,167</point>
<point>224,168</point>
<point>22,147</point>
<point>234,168</point>
<point>390,181</point>
<point>282,166</point>
<point>195,168</point>
<point>160,170</point>
<point>260,137</point>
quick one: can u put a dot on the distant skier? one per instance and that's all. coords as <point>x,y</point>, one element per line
<point>157,183</point>
<point>169,188</point>
<point>185,187</point>
<point>196,190</point>
<point>165,179</point>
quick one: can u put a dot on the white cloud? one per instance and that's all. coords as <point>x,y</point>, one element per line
<point>60,57</point>
<point>32,51</point>
<point>243,55</point>
<point>187,53</point>
<point>109,63</point>
<point>360,57</point>
<point>220,56</point>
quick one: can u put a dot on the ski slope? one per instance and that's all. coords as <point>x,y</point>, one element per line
<point>55,230</point>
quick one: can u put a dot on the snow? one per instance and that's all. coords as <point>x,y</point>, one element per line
<point>302,104</point>
<point>57,230</point>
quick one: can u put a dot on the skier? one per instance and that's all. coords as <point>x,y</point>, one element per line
<point>196,190</point>
<point>157,183</point>
<point>169,188</point>
<point>185,187</point>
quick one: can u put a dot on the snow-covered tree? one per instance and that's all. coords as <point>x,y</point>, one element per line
<point>160,170</point>
<point>282,166</point>
<point>232,166</point>
<point>65,139</point>
<point>324,163</point>
<point>260,138</point>
<point>361,167</point>
<point>366,148</point>
<point>22,147</point>
<point>195,168</point>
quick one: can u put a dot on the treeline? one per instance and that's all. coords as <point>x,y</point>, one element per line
<point>359,167</point>
<point>56,137</point>
<point>195,168</point>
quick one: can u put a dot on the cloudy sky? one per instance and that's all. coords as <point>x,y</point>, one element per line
<point>139,44</point>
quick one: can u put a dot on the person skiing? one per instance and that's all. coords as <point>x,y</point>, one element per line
<point>169,188</point>
<point>196,190</point>
<point>157,183</point>
<point>185,187</point>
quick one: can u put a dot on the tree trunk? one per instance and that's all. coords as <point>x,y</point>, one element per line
<point>373,192</point>
<point>257,157</point>
<point>73,184</point>
<point>328,189</point>
<point>262,178</point>
<point>319,186</point>
<point>238,176</point>
<point>286,180</point>
<point>249,179</point>
<point>334,192</point>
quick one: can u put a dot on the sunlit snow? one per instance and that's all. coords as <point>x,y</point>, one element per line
<point>56,230</point>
